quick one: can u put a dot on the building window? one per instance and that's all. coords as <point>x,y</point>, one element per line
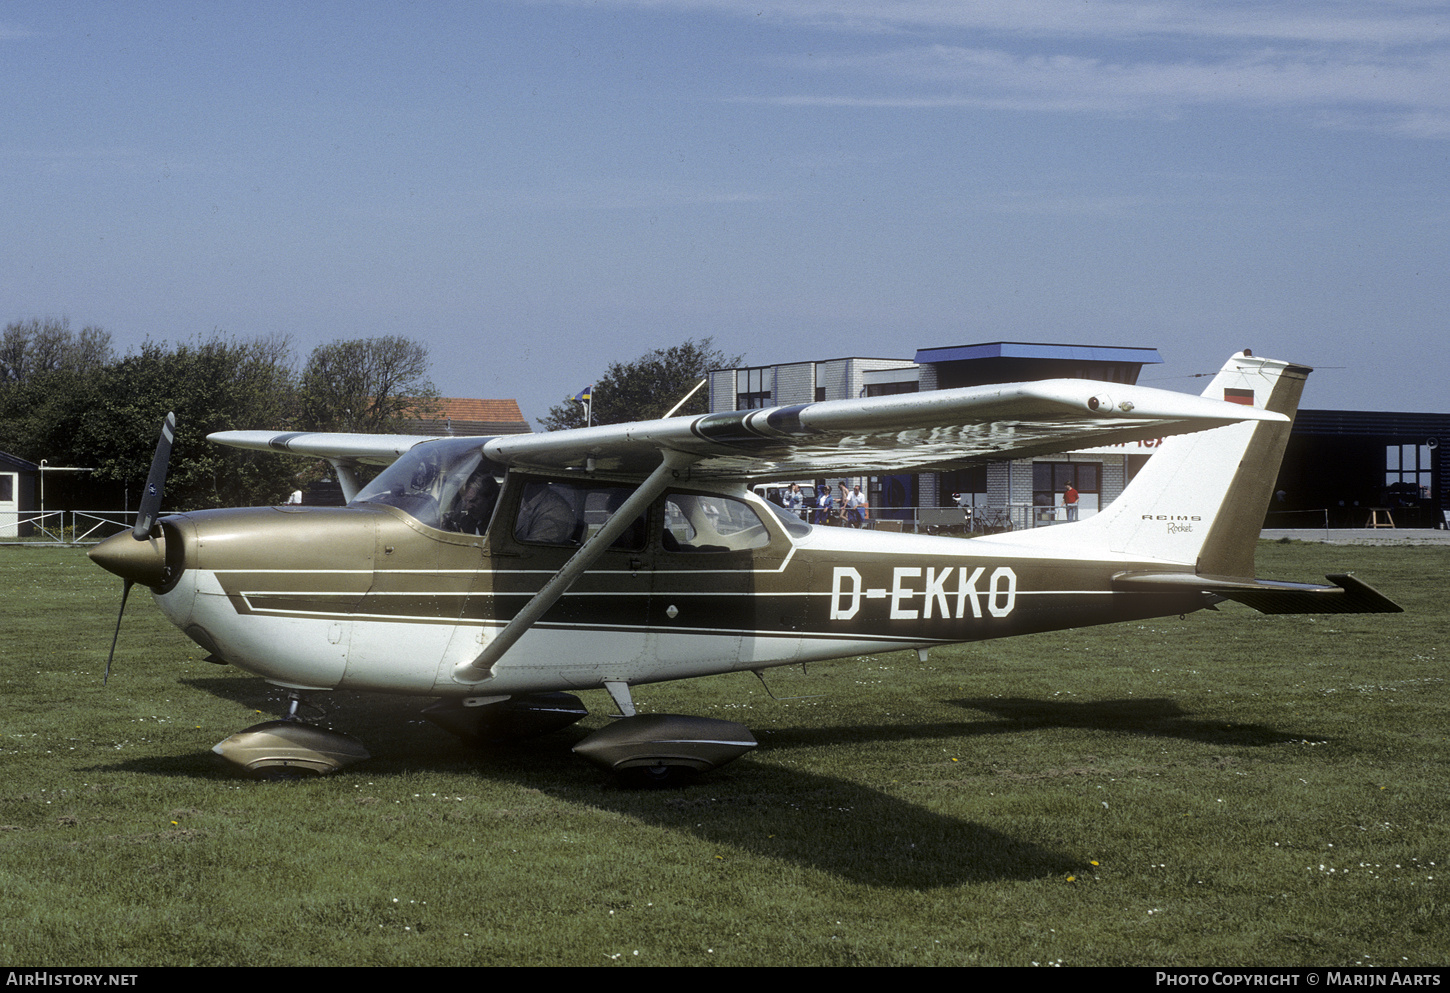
<point>890,389</point>
<point>1408,473</point>
<point>753,388</point>
<point>970,483</point>
<point>1049,479</point>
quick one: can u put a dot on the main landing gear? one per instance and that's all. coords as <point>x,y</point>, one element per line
<point>662,749</point>
<point>665,749</point>
<point>640,749</point>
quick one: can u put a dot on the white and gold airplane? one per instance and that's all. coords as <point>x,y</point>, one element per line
<point>500,573</point>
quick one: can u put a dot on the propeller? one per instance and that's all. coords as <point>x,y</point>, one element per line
<point>155,480</point>
<point>113,554</point>
<point>125,592</point>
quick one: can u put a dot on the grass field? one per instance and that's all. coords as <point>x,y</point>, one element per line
<point>1226,789</point>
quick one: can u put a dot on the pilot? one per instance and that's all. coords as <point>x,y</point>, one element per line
<point>471,513</point>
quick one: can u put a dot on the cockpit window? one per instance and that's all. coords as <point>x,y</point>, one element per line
<point>708,523</point>
<point>445,484</point>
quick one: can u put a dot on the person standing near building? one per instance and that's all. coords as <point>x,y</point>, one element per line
<point>855,507</point>
<point>795,500</point>
<point>824,505</point>
<point>1069,500</point>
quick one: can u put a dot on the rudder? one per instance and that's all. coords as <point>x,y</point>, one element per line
<point>1201,498</point>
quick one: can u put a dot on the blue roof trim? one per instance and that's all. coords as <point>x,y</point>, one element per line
<point>1028,350</point>
<point>16,462</point>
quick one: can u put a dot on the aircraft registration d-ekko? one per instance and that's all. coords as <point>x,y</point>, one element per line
<point>500,573</point>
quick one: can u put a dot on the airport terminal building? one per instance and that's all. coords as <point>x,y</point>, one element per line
<point>1341,468</point>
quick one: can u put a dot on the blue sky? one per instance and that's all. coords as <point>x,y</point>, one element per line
<point>534,189</point>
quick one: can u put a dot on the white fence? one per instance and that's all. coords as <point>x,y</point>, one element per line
<point>64,527</point>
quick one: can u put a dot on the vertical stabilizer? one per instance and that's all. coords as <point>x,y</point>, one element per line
<point>1201,498</point>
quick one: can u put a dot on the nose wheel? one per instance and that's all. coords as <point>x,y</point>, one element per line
<point>296,703</point>
<point>290,748</point>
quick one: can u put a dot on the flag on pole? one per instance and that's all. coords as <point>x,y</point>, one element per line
<point>586,397</point>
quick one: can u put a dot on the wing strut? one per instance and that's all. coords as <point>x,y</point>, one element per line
<point>346,478</point>
<point>637,504</point>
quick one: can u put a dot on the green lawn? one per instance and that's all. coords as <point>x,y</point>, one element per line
<point>1228,789</point>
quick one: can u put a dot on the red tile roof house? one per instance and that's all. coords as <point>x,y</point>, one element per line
<point>458,416</point>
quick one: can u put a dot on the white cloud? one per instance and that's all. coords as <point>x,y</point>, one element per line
<point>1055,80</point>
<point>11,32</point>
<point>1382,64</point>
<point>1360,22</point>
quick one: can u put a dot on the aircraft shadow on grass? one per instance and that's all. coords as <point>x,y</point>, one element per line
<point>1157,717</point>
<point>855,832</point>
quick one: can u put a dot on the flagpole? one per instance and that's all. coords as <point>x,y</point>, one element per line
<point>585,397</point>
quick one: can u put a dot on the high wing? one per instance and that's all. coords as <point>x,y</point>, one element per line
<point>369,449</point>
<point>918,432</point>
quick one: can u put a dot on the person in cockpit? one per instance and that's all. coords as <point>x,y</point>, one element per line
<point>470,515</point>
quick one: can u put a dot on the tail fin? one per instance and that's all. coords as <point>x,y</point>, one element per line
<point>1201,498</point>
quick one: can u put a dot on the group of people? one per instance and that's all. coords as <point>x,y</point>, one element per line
<point>849,509</point>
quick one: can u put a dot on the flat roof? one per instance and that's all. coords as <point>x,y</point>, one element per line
<point>1030,350</point>
<point>778,365</point>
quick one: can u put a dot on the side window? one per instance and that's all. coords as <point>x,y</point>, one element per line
<point>566,513</point>
<point>696,523</point>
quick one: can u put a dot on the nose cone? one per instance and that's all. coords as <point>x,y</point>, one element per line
<point>141,562</point>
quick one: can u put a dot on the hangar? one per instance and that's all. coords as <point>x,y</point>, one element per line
<point>1362,468</point>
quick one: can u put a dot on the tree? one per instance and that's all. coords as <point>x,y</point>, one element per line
<point>366,385</point>
<point>218,384</point>
<point>107,419</point>
<point>646,388</point>
<point>35,347</point>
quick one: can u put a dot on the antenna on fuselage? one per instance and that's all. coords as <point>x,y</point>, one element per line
<point>761,676</point>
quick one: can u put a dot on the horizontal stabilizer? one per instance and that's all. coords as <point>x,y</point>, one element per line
<point>1347,596</point>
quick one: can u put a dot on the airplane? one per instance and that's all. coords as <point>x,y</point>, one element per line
<point>502,575</point>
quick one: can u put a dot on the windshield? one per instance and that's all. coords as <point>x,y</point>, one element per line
<point>445,484</point>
